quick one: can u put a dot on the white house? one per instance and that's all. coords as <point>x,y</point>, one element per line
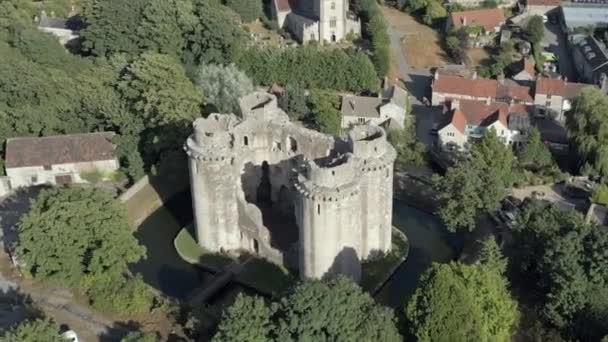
<point>466,120</point>
<point>553,97</point>
<point>389,106</point>
<point>60,159</point>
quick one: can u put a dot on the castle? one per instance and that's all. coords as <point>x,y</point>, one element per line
<point>316,204</point>
<point>316,20</point>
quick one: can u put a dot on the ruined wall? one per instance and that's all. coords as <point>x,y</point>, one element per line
<point>341,199</point>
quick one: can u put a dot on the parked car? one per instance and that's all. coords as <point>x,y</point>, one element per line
<point>435,129</point>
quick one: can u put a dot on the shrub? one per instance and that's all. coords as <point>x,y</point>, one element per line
<point>113,292</point>
<point>600,195</point>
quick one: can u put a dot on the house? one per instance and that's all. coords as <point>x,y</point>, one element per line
<point>316,20</point>
<point>60,159</point>
<point>578,17</point>
<point>445,87</point>
<point>64,29</point>
<point>523,71</point>
<point>388,109</point>
<point>590,59</point>
<point>466,120</point>
<point>553,97</point>
<point>481,24</point>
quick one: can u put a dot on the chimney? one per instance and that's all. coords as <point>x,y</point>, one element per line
<point>385,83</point>
<point>501,78</point>
<point>436,75</point>
<point>474,77</point>
<point>464,21</point>
<point>455,104</point>
<point>488,101</point>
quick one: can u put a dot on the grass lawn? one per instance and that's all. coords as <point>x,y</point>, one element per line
<point>420,44</point>
<point>190,251</point>
<point>374,273</point>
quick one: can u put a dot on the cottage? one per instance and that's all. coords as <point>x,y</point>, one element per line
<point>59,159</point>
<point>466,120</point>
<point>447,87</point>
<point>481,24</point>
<point>388,108</point>
<point>553,97</point>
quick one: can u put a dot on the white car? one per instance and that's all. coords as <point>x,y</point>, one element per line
<point>70,336</point>
<point>545,19</point>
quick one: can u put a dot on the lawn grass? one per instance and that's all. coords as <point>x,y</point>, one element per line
<point>189,250</point>
<point>376,272</point>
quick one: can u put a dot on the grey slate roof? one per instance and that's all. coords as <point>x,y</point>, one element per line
<point>363,106</point>
<point>593,51</point>
<point>584,15</point>
<point>59,149</point>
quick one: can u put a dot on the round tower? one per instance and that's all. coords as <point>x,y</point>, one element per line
<point>213,182</point>
<point>374,157</point>
<point>329,229</point>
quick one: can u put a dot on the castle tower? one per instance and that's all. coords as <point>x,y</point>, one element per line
<point>329,229</point>
<point>332,19</point>
<point>374,158</point>
<point>213,182</point>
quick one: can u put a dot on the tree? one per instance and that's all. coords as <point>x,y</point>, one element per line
<point>70,233</point>
<point>165,24</point>
<point>293,102</point>
<point>457,302</point>
<point>535,29</point>
<point>112,26</point>
<point>491,256</point>
<point>336,310</point>
<point>600,195</point>
<point>248,319</point>
<point>476,184</point>
<point>223,86</point>
<point>33,331</point>
<point>409,150</point>
<point>587,123</point>
<point>138,336</point>
<point>325,113</point>
<point>434,10</point>
<point>535,155</point>
<point>216,37</point>
<point>249,10</point>
<point>159,91</point>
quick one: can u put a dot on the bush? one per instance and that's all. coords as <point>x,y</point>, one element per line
<point>376,32</point>
<point>113,292</point>
<point>33,331</point>
<point>600,195</point>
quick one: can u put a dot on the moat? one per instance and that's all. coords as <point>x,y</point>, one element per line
<point>168,273</point>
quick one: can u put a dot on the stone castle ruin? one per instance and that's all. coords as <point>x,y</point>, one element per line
<point>318,205</point>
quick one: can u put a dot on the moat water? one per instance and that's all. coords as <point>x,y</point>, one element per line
<point>168,273</point>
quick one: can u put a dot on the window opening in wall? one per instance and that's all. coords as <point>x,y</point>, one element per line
<point>246,141</point>
<point>333,5</point>
<point>293,144</point>
<point>256,246</point>
<point>387,173</point>
<point>333,173</point>
<point>47,167</point>
<point>318,209</point>
<point>34,179</point>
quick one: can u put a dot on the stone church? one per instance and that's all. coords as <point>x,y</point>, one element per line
<point>316,204</point>
<point>316,20</point>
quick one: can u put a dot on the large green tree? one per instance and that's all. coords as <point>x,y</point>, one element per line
<point>535,29</point>
<point>293,102</point>
<point>587,124</point>
<point>223,86</point>
<point>249,10</point>
<point>70,233</point>
<point>409,150</point>
<point>337,310</point>
<point>33,331</point>
<point>325,113</point>
<point>535,155</point>
<point>476,184</point>
<point>457,302</point>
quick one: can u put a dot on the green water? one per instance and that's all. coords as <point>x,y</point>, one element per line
<point>429,242</point>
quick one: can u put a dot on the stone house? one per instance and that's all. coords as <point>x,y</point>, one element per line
<point>590,59</point>
<point>316,20</point>
<point>553,97</point>
<point>482,24</point>
<point>466,120</point>
<point>523,71</point>
<point>389,106</point>
<point>446,87</point>
<point>60,159</point>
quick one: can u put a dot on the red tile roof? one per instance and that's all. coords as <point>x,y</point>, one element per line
<point>479,113</point>
<point>515,92</point>
<point>60,149</point>
<point>486,18</point>
<point>479,87</point>
<point>283,5</point>
<point>458,120</point>
<point>550,86</point>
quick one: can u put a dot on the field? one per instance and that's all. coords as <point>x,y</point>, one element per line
<point>420,44</point>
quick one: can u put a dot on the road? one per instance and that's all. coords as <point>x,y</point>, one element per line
<point>418,84</point>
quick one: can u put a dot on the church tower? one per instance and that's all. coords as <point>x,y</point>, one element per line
<point>332,19</point>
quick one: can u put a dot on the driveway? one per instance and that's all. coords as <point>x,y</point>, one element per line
<point>555,41</point>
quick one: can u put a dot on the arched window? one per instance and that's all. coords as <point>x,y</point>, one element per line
<point>318,209</point>
<point>245,140</point>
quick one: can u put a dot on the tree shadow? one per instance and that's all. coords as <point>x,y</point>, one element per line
<point>15,307</point>
<point>12,209</point>
<point>119,330</point>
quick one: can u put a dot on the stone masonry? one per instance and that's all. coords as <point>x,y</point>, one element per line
<point>316,204</point>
